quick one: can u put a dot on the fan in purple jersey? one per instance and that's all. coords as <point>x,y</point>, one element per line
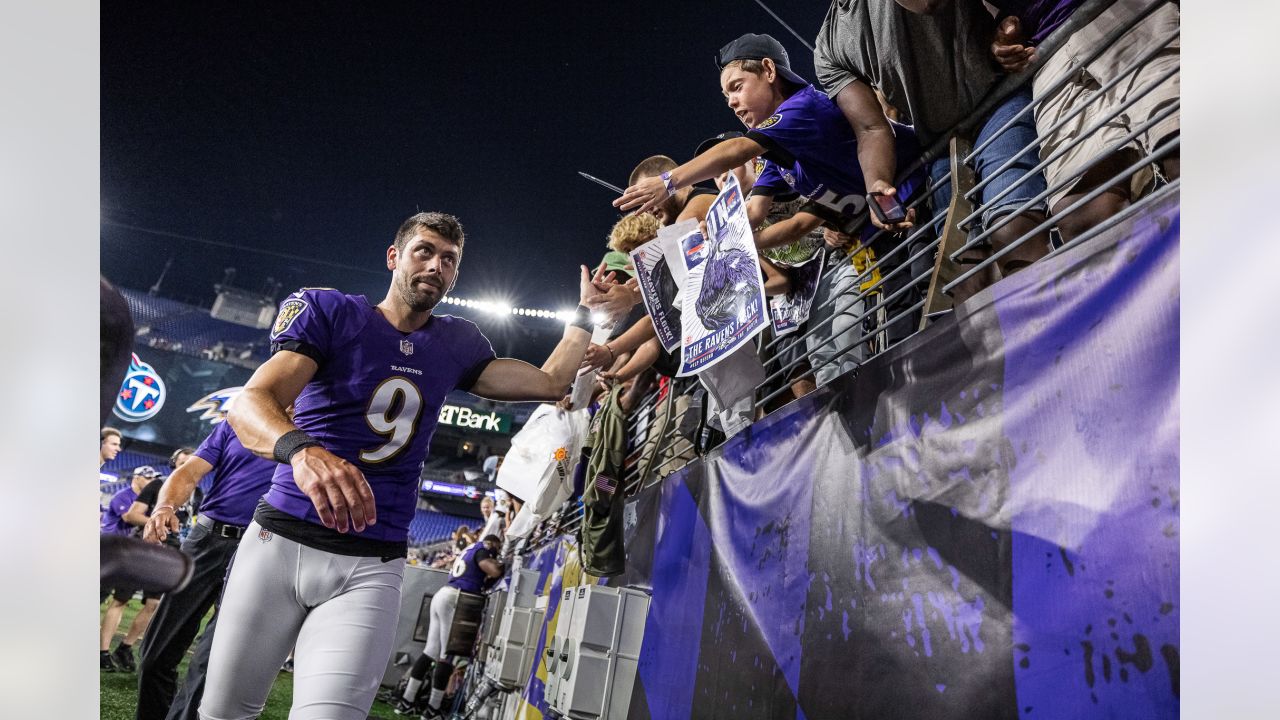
<point>320,566</point>
<point>801,131</point>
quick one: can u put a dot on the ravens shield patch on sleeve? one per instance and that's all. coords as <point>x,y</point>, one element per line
<point>289,311</point>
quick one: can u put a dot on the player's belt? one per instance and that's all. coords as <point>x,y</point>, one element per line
<point>221,529</point>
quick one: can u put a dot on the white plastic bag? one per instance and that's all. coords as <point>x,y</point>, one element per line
<point>539,467</point>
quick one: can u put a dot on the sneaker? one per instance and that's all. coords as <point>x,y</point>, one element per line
<point>123,657</point>
<point>107,665</point>
<point>430,714</point>
<point>288,665</point>
<point>404,707</point>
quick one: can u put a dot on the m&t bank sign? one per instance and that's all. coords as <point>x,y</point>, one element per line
<point>465,417</point>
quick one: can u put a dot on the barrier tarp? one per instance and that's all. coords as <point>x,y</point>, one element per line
<point>983,523</point>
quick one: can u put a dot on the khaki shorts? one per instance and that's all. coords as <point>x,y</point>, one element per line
<point>1087,78</point>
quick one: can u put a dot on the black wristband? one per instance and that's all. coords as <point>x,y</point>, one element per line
<point>582,318</point>
<point>290,443</point>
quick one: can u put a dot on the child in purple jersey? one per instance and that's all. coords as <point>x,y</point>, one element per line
<point>800,131</point>
<point>320,566</point>
<point>810,148</point>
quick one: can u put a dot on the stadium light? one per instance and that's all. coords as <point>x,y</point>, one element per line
<point>501,308</point>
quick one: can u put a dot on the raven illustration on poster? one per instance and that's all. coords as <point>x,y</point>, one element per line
<point>727,285</point>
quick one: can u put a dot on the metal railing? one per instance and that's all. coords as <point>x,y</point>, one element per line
<point>659,443</point>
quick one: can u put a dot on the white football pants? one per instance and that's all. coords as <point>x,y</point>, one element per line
<point>443,605</point>
<point>338,613</point>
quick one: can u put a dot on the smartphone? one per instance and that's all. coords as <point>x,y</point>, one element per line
<point>886,208</point>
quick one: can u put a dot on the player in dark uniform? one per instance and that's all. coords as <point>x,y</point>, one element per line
<point>239,480</point>
<point>474,571</point>
<point>320,567</point>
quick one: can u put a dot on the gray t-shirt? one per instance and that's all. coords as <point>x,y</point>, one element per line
<point>934,69</point>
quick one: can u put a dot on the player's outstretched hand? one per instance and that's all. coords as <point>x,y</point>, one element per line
<point>163,521</point>
<point>616,302</point>
<point>591,286</point>
<point>337,489</point>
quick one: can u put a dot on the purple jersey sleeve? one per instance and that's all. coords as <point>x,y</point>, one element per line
<point>793,124</point>
<point>212,448</point>
<point>475,354</point>
<point>769,181</point>
<point>813,148</point>
<point>308,322</point>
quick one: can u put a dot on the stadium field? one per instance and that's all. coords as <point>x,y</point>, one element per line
<point>119,691</point>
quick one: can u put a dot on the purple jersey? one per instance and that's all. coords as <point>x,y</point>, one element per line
<point>811,149</point>
<point>113,517</point>
<point>466,573</point>
<point>239,477</point>
<point>375,398</point>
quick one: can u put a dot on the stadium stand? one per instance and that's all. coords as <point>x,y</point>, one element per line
<point>429,526</point>
<point>179,327</point>
<point>127,460</point>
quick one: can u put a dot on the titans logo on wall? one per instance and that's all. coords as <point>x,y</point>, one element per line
<point>142,394</point>
<point>216,404</point>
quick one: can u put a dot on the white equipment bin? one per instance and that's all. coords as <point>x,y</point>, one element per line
<point>556,646</point>
<point>509,656</point>
<point>597,652</point>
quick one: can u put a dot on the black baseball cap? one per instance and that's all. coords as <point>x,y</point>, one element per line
<point>758,47</point>
<point>711,142</point>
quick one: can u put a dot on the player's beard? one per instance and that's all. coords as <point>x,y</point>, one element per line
<point>417,299</point>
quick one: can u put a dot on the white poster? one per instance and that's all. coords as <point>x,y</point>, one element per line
<point>723,304</point>
<point>791,310</point>
<point>659,288</point>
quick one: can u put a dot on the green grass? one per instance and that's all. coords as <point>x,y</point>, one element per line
<point>119,691</point>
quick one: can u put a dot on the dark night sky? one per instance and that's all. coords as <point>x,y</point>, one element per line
<point>314,129</point>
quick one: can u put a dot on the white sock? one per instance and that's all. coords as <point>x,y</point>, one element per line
<point>411,690</point>
<point>437,697</point>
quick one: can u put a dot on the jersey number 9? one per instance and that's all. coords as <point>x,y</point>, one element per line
<point>393,412</point>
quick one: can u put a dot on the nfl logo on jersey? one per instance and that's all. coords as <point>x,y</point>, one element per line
<point>406,346</point>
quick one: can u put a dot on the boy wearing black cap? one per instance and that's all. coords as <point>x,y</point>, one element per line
<point>810,148</point>
<point>806,141</point>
